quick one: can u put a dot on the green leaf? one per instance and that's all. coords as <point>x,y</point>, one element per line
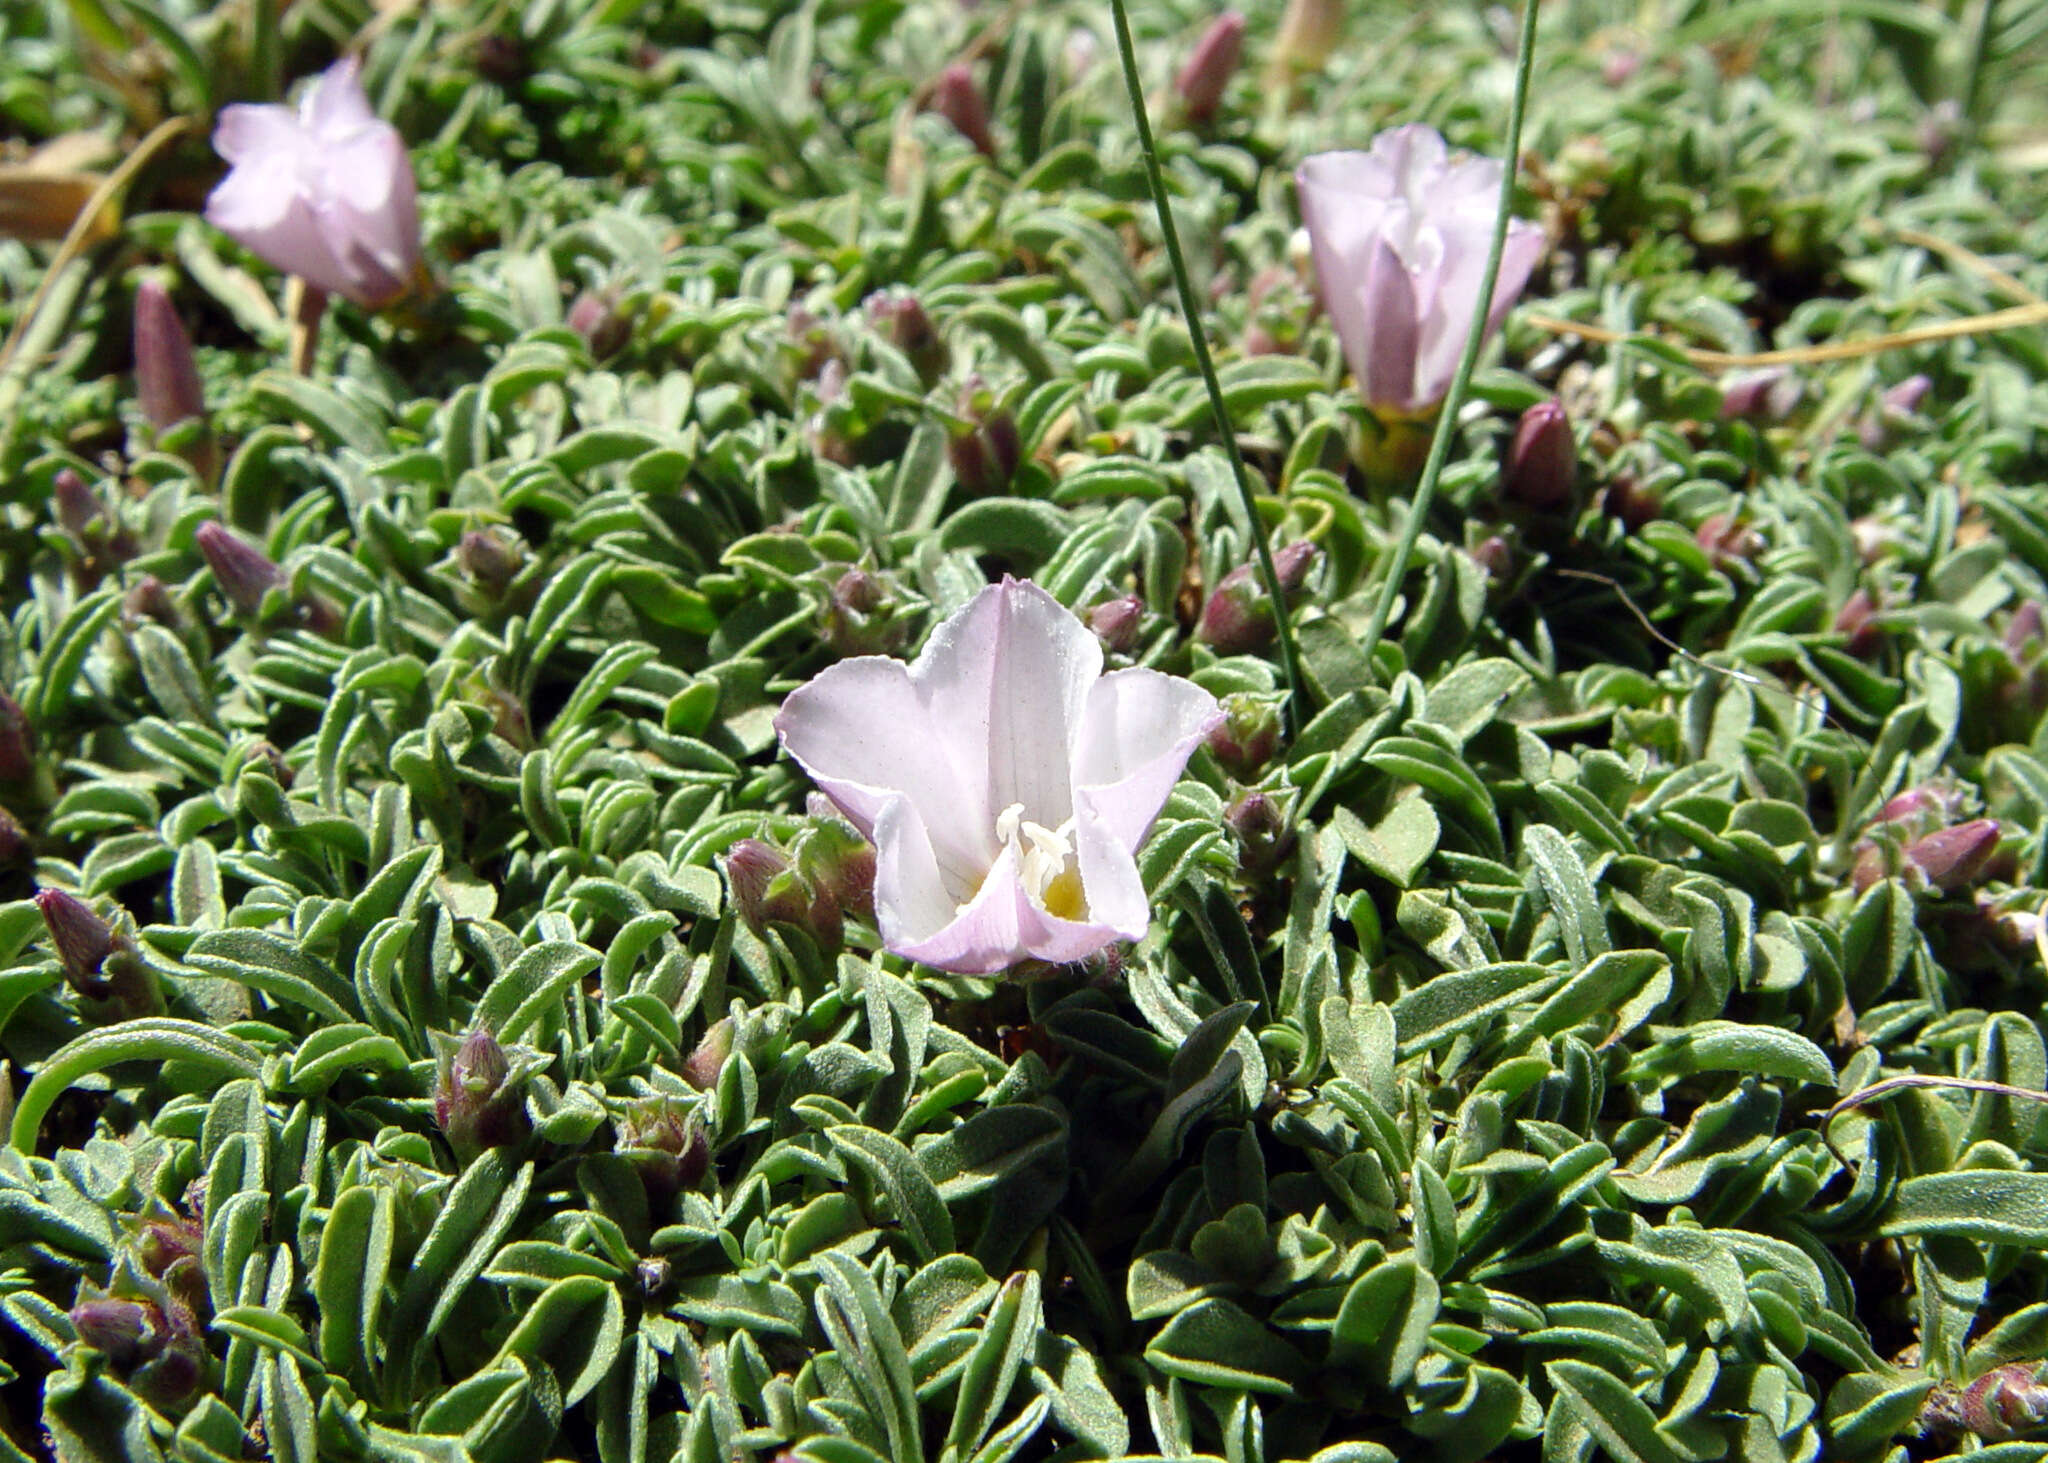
<point>1217,1343</point>
<point>912,1196</point>
<point>156,1039</point>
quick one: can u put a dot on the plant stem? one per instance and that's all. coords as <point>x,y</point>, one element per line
<point>1190,308</point>
<point>1447,417</point>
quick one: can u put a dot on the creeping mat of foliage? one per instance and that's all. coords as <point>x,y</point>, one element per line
<point>440,1025</point>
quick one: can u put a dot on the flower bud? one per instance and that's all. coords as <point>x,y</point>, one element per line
<point>1210,66</point>
<point>1767,395</point>
<point>1857,621</point>
<point>1308,34</point>
<point>82,939</point>
<point>2007,1402</point>
<point>605,327</point>
<point>864,616</point>
<point>1542,462</point>
<point>488,559</point>
<point>166,374</point>
<point>126,1332</point>
<point>1953,858</point>
<point>1496,556</point>
<point>1261,830</point>
<point>149,599</point>
<point>1116,623</point>
<point>707,1059</point>
<point>1727,539</point>
<point>837,860</point>
<point>901,320</point>
<point>985,456</point>
<point>17,741</point>
<point>1238,617</point>
<point>87,521</point>
<point>2024,633</point>
<point>666,1145</point>
<point>959,100</point>
<point>1919,807</point>
<point>476,1103</point>
<point>1249,734</point>
<point>14,844</point>
<point>768,889</point>
<point>1939,130</point>
<point>1897,410</point>
<point>243,572</point>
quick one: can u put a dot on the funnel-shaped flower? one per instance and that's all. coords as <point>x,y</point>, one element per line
<point>325,192</point>
<point>1400,236</point>
<point>1006,782</point>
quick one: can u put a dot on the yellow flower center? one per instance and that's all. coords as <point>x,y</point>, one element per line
<point>1050,874</point>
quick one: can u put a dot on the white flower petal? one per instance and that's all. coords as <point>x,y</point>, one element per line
<point>1138,731</point>
<point>912,900</point>
<point>864,732</point>
<point>336,104</point>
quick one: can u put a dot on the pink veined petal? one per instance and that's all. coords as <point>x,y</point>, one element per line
<point>1139,730</point>
<point>1390,302</point>
<point>1519,253</point>
<point>1109,877</point>
<point>1411,152</point>
<point>336,104</point>
<point>1344,214</point>
<point>247,131</point>
<point>864,732</point>
<point>982,938</point>
<point>1046,661</point>
<point>912,900</point>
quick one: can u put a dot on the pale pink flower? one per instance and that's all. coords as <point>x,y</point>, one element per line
<point>1006,782</point>
<point>325,192</point>
<point>1400,236</point>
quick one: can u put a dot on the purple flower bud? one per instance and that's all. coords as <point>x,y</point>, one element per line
<point>488,559</point>
<point>2023,632</point>
<point>901,320</point>
<point>1543,462</point>
<point>14,844</point>
<point>1210,66</point>
<point>666,1144</point>
<point>837,860</point>
<point>2007,1402</point>
<point>1249,734</point>
<point>1857,620</point>
<point>595,315</point>
<point>1925,806</point>
<point>126,1332</point>
<point>1261,830</point>
<point>1116,623</point>
<point>243,572</point>
<point>1727,539</point>
<point>149,599</point>
<point>166,374</point>
<point>90,524</point>
<point>707,1059</point>
<point>1767,395</point>
<point>1496,556</point>
<point>1953,858</point>
<point>985,456</point>
<point>1238,618</point>
<point>864,616</point>
<point>1632,500</point>
<point>959,100</point>
<point>17,741</point>
<point>1897,410</point>
<point>768,889</point>
<point>1619,64</point>
<point>82,939</point>
<point>475,1102</point>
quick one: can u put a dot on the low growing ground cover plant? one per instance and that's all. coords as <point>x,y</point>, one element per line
<point>651,807</point>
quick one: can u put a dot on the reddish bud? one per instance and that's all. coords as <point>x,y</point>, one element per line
<point>488,559</point>
<point>1116,623</point>
<point>17,741</point>
<point>1897,410</point>
<point>984,456</point>
<point>1727,539</point>
<point>14,844</point>
<point>149,599</point>
<point>1238,618</point>
<point>1542,461</point>
<point>1210,66</point>
<point>1767,395</point>
<point>595,315</point>
<point>166,374</point>
<point>2007,1402</point>
<point>126,1332</point>
<point>1496,556</point>
<point>1953,858</point>
<point>864,616</point>
<point>959,100</point>
<point>1261,830</point>
<point>901,320</point>
<point>663,1141</point>
<point>243,572</point>
<point>768,889</point>
<point>707,1059</point>
<point>1249,734</point>
<point>82,939</point>
<point>1857,622</point>
<point>476,1103</point>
